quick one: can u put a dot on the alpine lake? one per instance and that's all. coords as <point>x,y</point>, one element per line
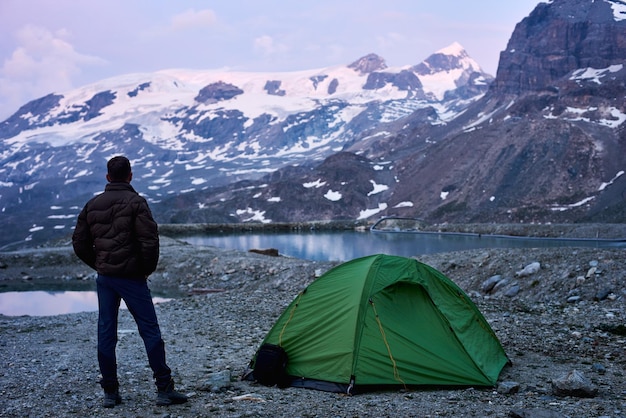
<point>318,245</point>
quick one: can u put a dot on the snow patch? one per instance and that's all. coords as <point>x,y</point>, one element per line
<point>594,74</point>
<point>406,204</point>
<point>605,185</point>
<point>61,216</point>
<point>378,188</point>
<point>317,184</point>
<point>364,214</point>
<point>619,9</point>
<point>333,196</point>
<point>255,215</point>
<point>481,118</point>
<point>618,117</point>
<point>613,117</point>
<point>563,208</point>
<point>82,173</point>
<point>198,181</point>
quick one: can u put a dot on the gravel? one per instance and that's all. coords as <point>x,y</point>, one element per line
<point>559,313</point>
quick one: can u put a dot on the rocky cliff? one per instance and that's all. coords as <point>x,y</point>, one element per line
<point>558,38</point>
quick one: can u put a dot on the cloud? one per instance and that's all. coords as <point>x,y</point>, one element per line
<point>266,45</point>
<point>43,62</point>
<point>194,19</point>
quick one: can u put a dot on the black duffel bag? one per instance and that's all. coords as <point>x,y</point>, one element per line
<point>270,366</point>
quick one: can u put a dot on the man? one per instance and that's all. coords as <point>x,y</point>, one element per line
<point>116,236</point>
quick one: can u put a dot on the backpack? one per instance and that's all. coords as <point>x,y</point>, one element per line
<point>270,366</point>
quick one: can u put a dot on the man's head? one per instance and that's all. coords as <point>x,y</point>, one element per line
<point>118,169</point>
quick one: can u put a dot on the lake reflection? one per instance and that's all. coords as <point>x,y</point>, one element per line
<point>319,246</point>
<point>43,303</point>
<point>347,245</point>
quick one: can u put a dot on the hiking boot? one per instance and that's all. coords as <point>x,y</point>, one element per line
<point>168,396</point>
<point>111,399</point>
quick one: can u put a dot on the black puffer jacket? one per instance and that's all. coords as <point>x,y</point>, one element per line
<point>116,235</point>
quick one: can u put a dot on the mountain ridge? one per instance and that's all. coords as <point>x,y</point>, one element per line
<point>188,130</point>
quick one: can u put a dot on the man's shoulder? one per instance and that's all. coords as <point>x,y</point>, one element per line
<point>94,199</point>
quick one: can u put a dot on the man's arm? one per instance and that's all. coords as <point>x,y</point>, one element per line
<point>147,233</point>
<point>82,241</point>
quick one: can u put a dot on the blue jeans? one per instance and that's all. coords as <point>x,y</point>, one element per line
<point>136,295</point>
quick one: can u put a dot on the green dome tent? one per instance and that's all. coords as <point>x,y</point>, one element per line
<point>385,320</point>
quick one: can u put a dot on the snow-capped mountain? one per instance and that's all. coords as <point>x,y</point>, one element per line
<point>186,131</point>
<point>546,143</point>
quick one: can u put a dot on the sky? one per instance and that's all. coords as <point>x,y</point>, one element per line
<point>52,46</point>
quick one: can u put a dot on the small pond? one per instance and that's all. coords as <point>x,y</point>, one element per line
<point>44,303</point>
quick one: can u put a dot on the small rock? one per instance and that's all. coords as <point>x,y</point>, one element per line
<point>508,388</point>
<point>573,299</point>
<point>598,368</point>
<point>575,384</point>
<point>249,397</point>
<point>513,291</point>
<point>500,285</point>
<point>529,270</point>
<point>217,381</point>
<point>273,252</point>
<point>602,294</point>
<point>488,285</point>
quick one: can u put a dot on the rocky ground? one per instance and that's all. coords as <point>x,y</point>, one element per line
<point>560,314</point>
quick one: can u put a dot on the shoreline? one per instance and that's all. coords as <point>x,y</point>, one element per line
<point>574,231</point>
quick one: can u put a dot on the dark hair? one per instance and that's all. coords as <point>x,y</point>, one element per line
<point>118,168</point>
